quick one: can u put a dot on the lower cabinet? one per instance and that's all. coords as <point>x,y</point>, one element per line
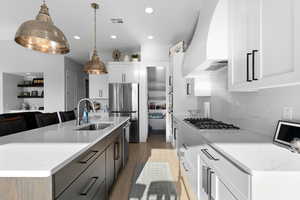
<point>91,176</point>
<point>89,183</point>
<point>110,166</point>
<point>118,155</point>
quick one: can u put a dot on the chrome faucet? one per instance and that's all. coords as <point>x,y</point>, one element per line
<point>78,121</point>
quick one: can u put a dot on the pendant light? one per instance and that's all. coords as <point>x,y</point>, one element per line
<point>42,35</point>
<point>95,65</point>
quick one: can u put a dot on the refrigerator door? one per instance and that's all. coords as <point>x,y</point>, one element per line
<point>115,97</point>
<point>127,98</point>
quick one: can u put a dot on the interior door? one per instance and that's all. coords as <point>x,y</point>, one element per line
<point>71,90</point>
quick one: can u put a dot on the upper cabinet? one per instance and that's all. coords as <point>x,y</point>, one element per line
<point>118,72</point>
<point>123,72</point>
<point>209,47</point>
<point>264,44</point>
<point>98,86</point>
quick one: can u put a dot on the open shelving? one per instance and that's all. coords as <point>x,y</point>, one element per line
<point>30,85</point>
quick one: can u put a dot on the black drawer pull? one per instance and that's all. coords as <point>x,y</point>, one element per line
<point>210,157</point>
<point>248,70</point>
<point>185,146</point>
<point>253,64</point>
<point>117,151</point>
<point>89,186</point>
<point>184,167</point>
<point>88,157</point>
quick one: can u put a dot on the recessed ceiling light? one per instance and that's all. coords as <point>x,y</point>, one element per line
<point>28,74</point>
<point>149,10</point>
<point>150,37</point>
<point>76,37</point>
<point>113,37</point>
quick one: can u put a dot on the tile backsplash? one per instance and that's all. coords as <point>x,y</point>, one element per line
<point>254,111</point>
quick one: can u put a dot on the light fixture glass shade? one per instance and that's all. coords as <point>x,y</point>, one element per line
<point>95,65</point>
<point>42,35</point>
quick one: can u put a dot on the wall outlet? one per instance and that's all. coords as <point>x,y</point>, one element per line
<point>287,113</point>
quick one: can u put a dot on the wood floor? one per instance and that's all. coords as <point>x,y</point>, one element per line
<point>155,150</point>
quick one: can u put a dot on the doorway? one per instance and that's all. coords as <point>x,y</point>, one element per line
<point>156,78</point>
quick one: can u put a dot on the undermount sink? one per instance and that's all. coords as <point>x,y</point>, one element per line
<point>94,127</point>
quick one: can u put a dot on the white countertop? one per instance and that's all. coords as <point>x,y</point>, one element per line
<point>42,152</point>
<point>253,152</point>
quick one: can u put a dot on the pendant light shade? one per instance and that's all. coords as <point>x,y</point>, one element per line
<point>95,65</point>
<point>42,35</point>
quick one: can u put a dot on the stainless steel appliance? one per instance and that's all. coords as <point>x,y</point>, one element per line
<point>124,101</point>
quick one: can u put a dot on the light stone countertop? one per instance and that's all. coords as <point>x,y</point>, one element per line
<point>254,153</point>
<point>42,152</point>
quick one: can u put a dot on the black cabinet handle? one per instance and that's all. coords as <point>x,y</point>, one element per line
<point>88,157</point>
<point>89,186</point>
<point>208,155</point>
<point>175,133</point>
<point>253,64</point>
<point>248,70</point>
<point>210,173</point>
<point>117,151</point>
<point>188,89</point>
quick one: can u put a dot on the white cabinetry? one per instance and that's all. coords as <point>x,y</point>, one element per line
<point>98,86</point>
<point>264,44</point>
<point>220,179</point>
<point>199,87</point>
<point>123,72</point>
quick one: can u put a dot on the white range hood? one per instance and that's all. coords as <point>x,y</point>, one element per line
<point>208,50</point>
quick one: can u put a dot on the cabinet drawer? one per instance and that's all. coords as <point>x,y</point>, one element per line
<point>88,184</point>
<point>236,179</point>
<point>64,177</point>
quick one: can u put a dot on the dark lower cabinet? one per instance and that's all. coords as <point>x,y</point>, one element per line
<point>88,183</point>
<point>118,155</point>
<point>110,166</point>
<point>101,193</point>
<point>91,176</point>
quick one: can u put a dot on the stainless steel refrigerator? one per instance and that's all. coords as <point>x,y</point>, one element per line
<point>124,101</point>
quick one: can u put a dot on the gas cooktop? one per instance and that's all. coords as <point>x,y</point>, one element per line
<point>206,123</point>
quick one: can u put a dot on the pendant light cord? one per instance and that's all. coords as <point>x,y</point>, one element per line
<point>95,29</point>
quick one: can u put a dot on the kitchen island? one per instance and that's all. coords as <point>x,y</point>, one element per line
<point>62,162</point>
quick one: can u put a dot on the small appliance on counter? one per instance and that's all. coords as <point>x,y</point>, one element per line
<point>288,135</point>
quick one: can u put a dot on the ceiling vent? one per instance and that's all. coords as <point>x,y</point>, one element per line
<point>117,20</point>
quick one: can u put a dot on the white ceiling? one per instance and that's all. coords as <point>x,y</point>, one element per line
<point>172,21</point>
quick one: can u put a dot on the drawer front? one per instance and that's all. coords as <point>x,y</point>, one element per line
<point>101,193</point>
<point>64,177</point>
<point>86,187</point>
<point>237,180</point>
<point>190,174</point>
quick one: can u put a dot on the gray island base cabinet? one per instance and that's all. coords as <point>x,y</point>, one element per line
<point>90,176</point>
